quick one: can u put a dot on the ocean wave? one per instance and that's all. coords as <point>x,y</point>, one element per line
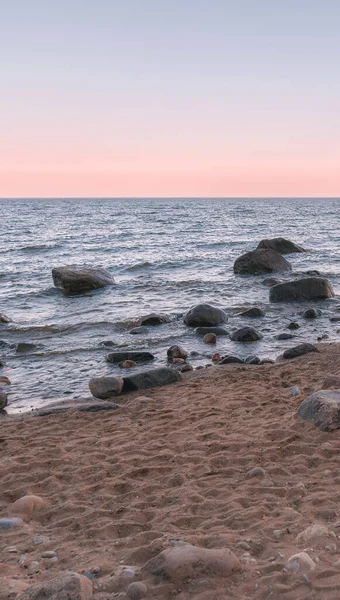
<point>39,247</point>
<point>137,266</point>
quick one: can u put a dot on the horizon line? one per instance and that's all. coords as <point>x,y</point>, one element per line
<point>169,197</point>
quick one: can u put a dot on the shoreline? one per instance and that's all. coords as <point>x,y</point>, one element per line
<point>173,463</point>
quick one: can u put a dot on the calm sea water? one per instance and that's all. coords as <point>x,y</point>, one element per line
<point>166,255</point>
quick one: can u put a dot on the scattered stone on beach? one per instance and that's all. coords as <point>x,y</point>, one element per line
<point>136,590</point>
<point>65,586</point>
<point>91,407</point>
<point>270,281</point>
<point>311,313</point>
<point>25,347</point>
<point>252,360</point>
<point>117,357</point>
<point>205,315</point>
<point>314,534</point>
<point>216,330</point>
<point>256,472</point>
<point>266,361</point>
<point>293,325</point>
<point>261,261</point>
<point>302,560</point>
<point>323,409</point>
<point>281,245</point>
<point>49,554</point>
<point>176,352</point>
<point>308,288</point>
<point>246,334</point>
<point>229,359</point>
<point>284,336</point>
<point>184,561</point>
<point>294,390</point>
<point>10,523</point>
<point>3,400</point>
<point>149,379</point>
<point>11,587</point>
<point>139,330</point>
<point>216,357</point>
<point>210,338</point>
<point>27,506</point>
<point>154,319</point>
<point>187,368</point>
<point>76,280</point>
<point>331,381</point>
<point>127,364</point>
<point>299,350</point>
<point>106,387</point>
<point>252,312</point>
<point>5,319</point>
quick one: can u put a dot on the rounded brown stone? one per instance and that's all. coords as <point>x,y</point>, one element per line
<point>210,338</point>
<point>127,364</point>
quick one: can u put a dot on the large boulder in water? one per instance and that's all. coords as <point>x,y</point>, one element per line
<point>261,261</point>
<point>105,387</point>
<point>205,315</point>
<point>77,280</point>
<point>309,288</point>
<point>246,334</point>
<point>281,246</point>
<point>323,409</point>
<point>135,355</point>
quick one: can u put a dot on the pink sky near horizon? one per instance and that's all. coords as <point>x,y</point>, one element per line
<point>206,98</point>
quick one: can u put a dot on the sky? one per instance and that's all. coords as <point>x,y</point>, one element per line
<point>143,98</point>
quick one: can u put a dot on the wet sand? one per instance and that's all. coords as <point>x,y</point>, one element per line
<point>174,464</point>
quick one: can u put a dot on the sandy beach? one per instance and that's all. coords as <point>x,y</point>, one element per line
<point>176,464</point>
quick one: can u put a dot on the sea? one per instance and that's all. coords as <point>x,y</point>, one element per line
<point>166,255</point>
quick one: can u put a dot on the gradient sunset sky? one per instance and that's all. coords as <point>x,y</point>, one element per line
<point>170,98</point>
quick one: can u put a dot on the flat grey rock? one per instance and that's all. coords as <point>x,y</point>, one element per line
<point>300,290</point>
<point>246,334</point>
<point>299,350</point>
<point>9,523</point>
<point>149,379</point>
<point>116,357</point>
<point>86,407</point>
<point>226,360</point>
<point>322,409</point>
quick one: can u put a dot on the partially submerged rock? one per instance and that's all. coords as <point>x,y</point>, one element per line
<point>184,561</point>
<point>176,352</point>
<point>205,315</point>
<point>136,356</point>
<point>106,387</point>
<point>3,400</point>
<point>139,330</point>
<point>323,409</point>
<point>210,338</point>
<point>284,336</point>
<point>261,261</point>
<point>229,359</point>
<point>252,312</point>
<point>299,350</point>
<point>246,334</point>
<point>91,407</point>
<point>281,245</point>
<point>154,319</point>
<point>311,313</point>
<point>4,319</point>
<point>150,379</point>
<point>65,586</point>
<point>77,280</point>
<point>23,347</point>
<point>309,288</point>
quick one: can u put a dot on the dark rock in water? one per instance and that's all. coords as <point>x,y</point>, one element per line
<point>210,338</point>
<point>127,364</point>
<point>266,361</point>
<point>108,344</point>
<point>187,368</point>
<point>149,379</point>
<point>313,273</point>
<point>3,400</point>
<point>76,280</point>
<point>323,409</point>
<point>194,353</point>
<point>3,344</point>
<point>311,313</point>
<point>67,585</point>
<point>246,334</point>
<point>334,318</point>
<point>270,281</point>
<point>252,360</point>
<point>293,325</point>
<point>176,352</point>
<point>25,347</point>
<point>226,360</point>
<point>261,261</point>
<point>281,245</point>
<point>139,330</point>
<point>216,330</point>
<point>252,313</point>
<point>82,407</point>
<point>309,288</point>
<point>205,315</point>
<point>116,357</point>
<point>299,350</point>
<point>106,387</point>
<point>155,319</point>
<point>10,523</point>
<point>4,319</point>
<point>284,336</point>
